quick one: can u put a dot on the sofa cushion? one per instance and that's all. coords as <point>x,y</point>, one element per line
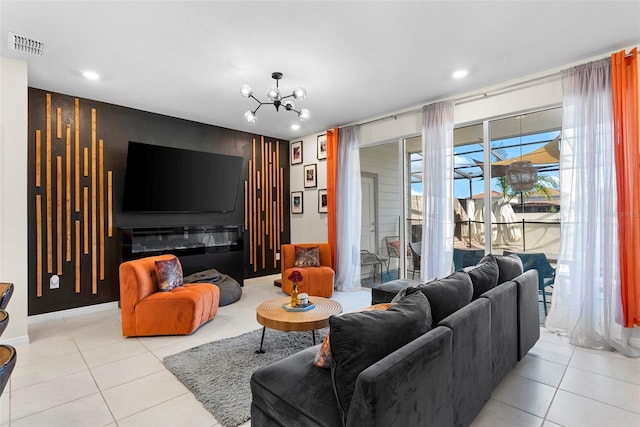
<point>385,292</point>
<point>358,340</point>
<point>446,295</point>
<point>510,266</point>
<point>323,357</point>
<point>168,274</point>
<point>307,257</point>
<point>483,276</point>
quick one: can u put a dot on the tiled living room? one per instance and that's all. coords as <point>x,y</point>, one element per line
<point>129,130</point>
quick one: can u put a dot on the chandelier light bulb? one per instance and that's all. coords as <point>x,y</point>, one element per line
<point>304,115</point>
<point>288,104</point>
<point>273,93</point>
<point>250,117</point>
<point>299,93</point>
<point>246,91</point>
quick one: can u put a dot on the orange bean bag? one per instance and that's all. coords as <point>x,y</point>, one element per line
<point>316,281</point>
<point>148,311</point>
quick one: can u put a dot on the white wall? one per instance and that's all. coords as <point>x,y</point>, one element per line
<point>13,194</point>
<point>310,226</point>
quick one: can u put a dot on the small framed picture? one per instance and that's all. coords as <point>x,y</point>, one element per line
<point>322,201</point>
<point>310,178</point>
<point>296,202</point>
<point>296,152</point>
<point>322,146</point>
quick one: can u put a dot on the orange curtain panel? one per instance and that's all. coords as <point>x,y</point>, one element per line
<point>332,175</point>
<point>624,70</point>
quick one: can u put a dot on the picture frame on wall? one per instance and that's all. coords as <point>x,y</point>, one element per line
<point>322,146</point>
<point>297,202</point>
<point>296,152</point>
<point>310,175</point>
<point>322,201</point>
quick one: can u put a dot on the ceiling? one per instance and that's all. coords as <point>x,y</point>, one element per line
<point>357,60</point>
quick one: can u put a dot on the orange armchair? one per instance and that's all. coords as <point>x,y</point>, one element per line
<point>316,281</point>
<point>148,311</point>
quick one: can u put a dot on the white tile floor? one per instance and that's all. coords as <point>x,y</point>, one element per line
<point>79,371</point>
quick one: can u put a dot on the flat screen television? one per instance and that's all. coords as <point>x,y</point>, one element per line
<point>166,179</point>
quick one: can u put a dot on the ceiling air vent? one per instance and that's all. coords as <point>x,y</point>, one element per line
<point>25,44</point>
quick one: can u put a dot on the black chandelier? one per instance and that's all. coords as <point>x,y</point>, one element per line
<point>276,100</point>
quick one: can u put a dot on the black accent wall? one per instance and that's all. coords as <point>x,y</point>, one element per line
<point>115,126</point>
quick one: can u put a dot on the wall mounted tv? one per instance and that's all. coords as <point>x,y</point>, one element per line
<point>165,179</point>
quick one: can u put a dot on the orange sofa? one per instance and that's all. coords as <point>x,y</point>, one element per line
<point>148,311</point>
<point>316,281</point>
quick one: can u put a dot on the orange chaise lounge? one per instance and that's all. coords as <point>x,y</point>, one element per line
<point>148,311</point>
<point>316,281</point>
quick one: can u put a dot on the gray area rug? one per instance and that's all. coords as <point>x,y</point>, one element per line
<point>218,373</point>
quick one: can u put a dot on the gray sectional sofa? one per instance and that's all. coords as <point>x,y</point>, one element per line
<point>384,372</point>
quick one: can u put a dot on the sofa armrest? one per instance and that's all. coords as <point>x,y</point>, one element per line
<point>504,329</point>
<point>411,386</point>
<point>471,359</point>
<point>528,311</point>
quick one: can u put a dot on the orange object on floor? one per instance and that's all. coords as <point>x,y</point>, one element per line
<point>316,281</point>
<point>148,311</point>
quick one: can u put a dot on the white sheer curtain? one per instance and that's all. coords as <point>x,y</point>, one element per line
<point>586,295</point>
<point>437,190</point>
<point>348,201</point>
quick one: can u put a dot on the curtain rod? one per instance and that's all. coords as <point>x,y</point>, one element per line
<point>472,97</point>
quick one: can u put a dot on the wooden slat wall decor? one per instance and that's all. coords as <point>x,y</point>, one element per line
<point>89,219</point>
<point>38,156</point>
<point>67,193</point>
<point>59,213</point>
<point>76,162</point>
<point>39,245</point>
<point>264,204</point>
<point>48,195</point>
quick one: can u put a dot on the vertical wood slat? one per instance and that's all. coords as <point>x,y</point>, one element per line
<point>262,173</point>
<point>48,189</point>
<point>86,161</point>
<point>264,248</point>
<point>67,193</point>
<point>77,260</point>
<point>38,245</point>
<point>76,162</point>
<point>250,213</point>
<point>59,123</point>
<point>275,258</point>
<point>110,203</point>
<point>94,201</point>
<point>85,218</point>
<point>282,198</point>
<point>59,237</point>
<point>38,158</point>
<point>254,228</point>
<point>267,190</point>
<point>101,203</point>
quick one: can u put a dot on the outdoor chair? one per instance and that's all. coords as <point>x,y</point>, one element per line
<point>546,273</point>
<point>466,257</point>
<point>392,245</point>
<point>416,253</point>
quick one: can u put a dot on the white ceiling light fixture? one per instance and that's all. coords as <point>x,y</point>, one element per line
<point>273,93</point>
<point>91,75</point>
<point>460,74</point>
<point>295,126</point>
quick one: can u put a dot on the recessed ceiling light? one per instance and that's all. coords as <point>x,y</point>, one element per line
<point>91,75</point>
<point>459,74</point>
<point>295,126</point>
